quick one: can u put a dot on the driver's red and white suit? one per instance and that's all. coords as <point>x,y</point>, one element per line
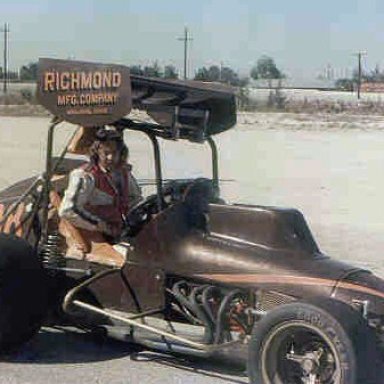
<point>95,196</point>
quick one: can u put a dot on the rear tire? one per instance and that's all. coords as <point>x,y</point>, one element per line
<point>325,342</point>
<point>23,293</point>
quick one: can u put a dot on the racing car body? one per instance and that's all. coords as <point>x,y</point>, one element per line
<point>201,276</point>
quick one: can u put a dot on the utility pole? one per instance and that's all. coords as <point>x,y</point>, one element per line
<point>221,72</point>
<point>185,39</point>
<point>5,30</point>
<point>359,71</point>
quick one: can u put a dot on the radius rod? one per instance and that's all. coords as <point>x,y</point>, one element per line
<point>69,300</point>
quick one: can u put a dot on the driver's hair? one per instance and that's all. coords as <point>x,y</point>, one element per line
<point>121,148</point>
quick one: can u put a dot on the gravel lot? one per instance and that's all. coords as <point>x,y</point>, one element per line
<point>329,167</point>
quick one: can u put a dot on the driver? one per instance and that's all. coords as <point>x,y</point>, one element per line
<point>98,196</point>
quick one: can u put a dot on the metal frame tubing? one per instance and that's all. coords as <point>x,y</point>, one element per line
<point>159,177</point>
<point>215,163</point>
<point>47,179</point>
<point>69,300</point>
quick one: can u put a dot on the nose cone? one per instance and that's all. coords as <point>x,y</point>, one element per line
<point>362,286</point>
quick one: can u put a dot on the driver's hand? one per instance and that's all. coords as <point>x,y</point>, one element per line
<point>107,229</point>
<point>102,226</point>
<point>114,232</point>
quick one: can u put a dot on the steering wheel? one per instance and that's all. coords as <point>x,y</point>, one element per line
<point>195,193</point>
<point>141,212</point>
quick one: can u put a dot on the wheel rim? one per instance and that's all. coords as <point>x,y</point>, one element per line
<point>299,353</point>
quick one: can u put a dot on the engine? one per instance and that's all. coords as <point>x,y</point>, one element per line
<point>224,313</point>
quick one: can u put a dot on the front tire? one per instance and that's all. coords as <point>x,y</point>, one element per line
<point>326,342</point>
<point>23,293</point>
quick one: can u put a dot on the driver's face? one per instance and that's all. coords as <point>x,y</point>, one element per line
<point>108,155</point>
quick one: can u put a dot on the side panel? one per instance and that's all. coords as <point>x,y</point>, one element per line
<point>138,288</point>
<point>146,288</point>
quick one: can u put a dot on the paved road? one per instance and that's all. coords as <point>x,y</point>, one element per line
<point>69,356</point>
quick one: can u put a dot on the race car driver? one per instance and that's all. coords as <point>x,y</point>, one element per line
<point>98,196</point>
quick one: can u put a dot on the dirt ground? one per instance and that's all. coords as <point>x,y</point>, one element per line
<point>330,167</point>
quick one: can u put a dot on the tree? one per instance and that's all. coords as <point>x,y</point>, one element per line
<point>29,72</point>
<point>374,76</point>
<point>170,72</point>
<point>229,76</point>
<point>202,74</point>
<point>208,74</point>
<point>344,84</point>
<point>136,70</point>
<point>153,70</point>
<point>266,69</point>
<point>223,75</point>
<point>214,73</point>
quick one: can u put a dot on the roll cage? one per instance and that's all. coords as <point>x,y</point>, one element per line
<point>52,163</point>
<point>180,110</point>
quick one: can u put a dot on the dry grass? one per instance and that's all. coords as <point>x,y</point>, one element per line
<point>311,102</point>
<point>23,110</point>
<point>335,107</point>
<point>21,103</point>
<point>318,106</point>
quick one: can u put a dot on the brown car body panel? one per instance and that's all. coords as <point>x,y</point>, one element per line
<point>237,246</point>
<point>224,255</point>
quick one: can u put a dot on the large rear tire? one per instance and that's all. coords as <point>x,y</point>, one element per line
<point>23,293</point>
<point>325,342</point>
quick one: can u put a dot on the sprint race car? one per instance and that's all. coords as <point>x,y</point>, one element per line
<point>202,277</point>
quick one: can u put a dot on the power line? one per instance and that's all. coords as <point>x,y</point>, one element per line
<point>185,39</point>
<point>5,30</point>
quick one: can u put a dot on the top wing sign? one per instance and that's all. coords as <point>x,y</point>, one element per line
<point>84,93</point>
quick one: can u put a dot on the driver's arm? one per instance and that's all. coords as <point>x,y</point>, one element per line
<point>77,195</point>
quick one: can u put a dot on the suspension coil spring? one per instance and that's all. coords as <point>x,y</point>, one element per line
<point>50,252</point>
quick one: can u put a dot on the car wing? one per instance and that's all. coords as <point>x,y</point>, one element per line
<point>185,109</point>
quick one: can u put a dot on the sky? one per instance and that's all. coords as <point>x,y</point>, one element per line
<point>305,37</point>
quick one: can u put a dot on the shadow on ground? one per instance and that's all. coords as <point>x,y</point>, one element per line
<point>67,345</point>
<point>215,368</point>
